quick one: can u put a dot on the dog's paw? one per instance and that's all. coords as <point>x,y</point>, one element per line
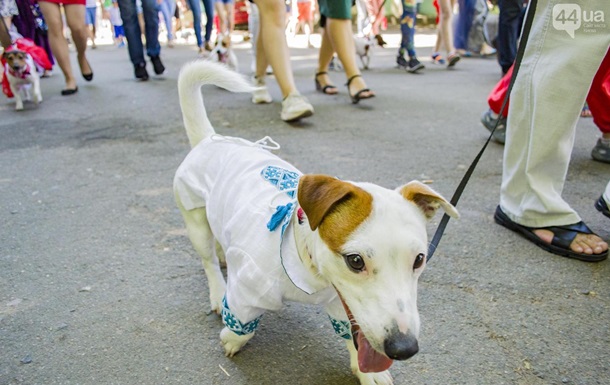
<point>19,106</point>
<point>381,378</point>
<point>231,342</point>
<point>37,99</point>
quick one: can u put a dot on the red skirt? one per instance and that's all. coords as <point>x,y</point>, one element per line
<point>66,2</point>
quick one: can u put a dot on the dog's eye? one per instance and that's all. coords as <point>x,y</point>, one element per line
<point>355,262</point>
<point>419,261</point>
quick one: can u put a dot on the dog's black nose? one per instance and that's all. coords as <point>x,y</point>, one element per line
<point>400,346</point>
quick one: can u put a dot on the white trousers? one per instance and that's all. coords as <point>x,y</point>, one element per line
<point>549,92</point>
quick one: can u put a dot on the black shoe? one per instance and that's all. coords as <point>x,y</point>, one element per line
<point>140,71</point>
<point>157,65</point>
<point>401,61</point>
<point>414,65</point>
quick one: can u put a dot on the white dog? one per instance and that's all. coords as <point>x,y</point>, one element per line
<point>223,52</point>
<point>358,249</point>
<point>23,77</point>
<point>364,49</point>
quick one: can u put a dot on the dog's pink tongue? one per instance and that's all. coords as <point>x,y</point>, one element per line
<point>369,360</point>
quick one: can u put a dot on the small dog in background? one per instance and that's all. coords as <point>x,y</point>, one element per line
<point>223,52</point>
<point>22,76</point>
<point>364,49</point>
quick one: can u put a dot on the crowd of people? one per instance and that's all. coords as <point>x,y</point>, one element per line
<point>537,134</point>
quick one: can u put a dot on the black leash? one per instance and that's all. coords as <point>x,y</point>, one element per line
<point>460,189</point>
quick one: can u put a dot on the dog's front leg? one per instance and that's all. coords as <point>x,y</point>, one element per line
<point>381,378</point>
<point>237,333</point>
<point>18,99</point>
<point>232,342</point>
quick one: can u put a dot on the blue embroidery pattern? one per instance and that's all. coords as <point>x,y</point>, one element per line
<point>282,179</point>
<point>234,324</point>
<point>342,328</point>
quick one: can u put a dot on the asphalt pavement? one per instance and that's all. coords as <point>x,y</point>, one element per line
<point>100,285</point>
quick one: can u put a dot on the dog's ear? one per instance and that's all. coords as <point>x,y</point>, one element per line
<point>427,199</point>
<point>319,195</point>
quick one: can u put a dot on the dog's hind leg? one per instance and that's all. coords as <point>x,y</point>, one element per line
<point>203,241</point>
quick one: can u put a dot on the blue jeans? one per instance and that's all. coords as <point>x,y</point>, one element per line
<point>195,6</point>
<point>407,28</point>
<point>133,33</point>
<point>168,8</point>
<point>463,23</point>
<point>509,27</point>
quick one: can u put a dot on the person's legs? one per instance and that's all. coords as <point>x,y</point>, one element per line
<point>463,24</point>
<point>272,44</point>
<point>509,24</point>
<point>195,6</point>
<point>167,11</point>
<point>133,33</point>
<point>75,18</point>
<point>59,45</point>
<point>325,56</point>
<point>342,39</point>
<point>407,28</point>
<point>208,6</point>
<point>445,27</point>
<point>230,16</point>
<point>540,136</point>
<point>150,11</point>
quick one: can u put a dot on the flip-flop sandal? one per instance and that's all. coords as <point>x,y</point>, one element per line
<point>602,206</point>
<point>562,237</point>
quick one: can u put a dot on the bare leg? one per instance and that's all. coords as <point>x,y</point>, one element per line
<point>75,17</point>
<point>59,45</point>
<point>445,26</point>
<point>272,43</point>
<point>324,58</point>
<point>342,39</point>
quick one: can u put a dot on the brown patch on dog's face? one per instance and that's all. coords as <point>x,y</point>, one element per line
<point>15,59</point>
<point>226,41</point>
<point>335,207</point>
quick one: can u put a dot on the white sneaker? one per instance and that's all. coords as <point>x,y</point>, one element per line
<point>295,107</point>
<point>261,95</point>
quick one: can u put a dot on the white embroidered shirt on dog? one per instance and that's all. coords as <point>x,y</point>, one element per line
<point>252,222</point>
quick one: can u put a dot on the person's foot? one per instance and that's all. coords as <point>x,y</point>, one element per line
<point>295,107</point>
<point>261,94</point>
<point>414,65</point>
<point>583,243</point>
<point>401,61</point>
<point>208,46</point>
<point>140,71</point>
<point>437,58</point>
<point>158,67</point>
<point>324,85</point>
<point>575,240</point>
<point>357,84</point>
<point>85,68</point>
<point>452,59</point>
<point>601,151</point>
<point>490,121</point>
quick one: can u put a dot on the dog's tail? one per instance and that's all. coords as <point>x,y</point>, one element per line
<point>194,75</point>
